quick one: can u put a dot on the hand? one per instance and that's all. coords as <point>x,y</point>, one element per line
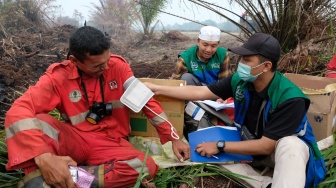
<point>55,170</point>
<point>151,86</point>
<point>221,101</point>
<point>207,149</point>
<point>181,150</point>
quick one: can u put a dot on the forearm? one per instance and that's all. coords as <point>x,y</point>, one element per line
<point>251,147</point>
<point>190,93</point>
<point>40,158</point>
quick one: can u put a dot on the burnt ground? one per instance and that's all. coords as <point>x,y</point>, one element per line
<point>25,56</point>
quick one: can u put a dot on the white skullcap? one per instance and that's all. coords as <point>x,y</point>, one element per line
<point>209,33</point>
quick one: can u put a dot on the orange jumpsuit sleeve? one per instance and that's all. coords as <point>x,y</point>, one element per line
<point>163,128</point>
<point>24,134</point>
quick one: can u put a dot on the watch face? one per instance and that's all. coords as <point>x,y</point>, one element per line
<point>220,144</point>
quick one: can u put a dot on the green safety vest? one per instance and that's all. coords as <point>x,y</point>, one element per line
<point>205,72</point>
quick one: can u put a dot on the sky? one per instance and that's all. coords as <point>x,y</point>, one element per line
<point>181,8</point>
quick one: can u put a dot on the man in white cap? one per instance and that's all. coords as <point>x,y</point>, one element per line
<point>204,63</point>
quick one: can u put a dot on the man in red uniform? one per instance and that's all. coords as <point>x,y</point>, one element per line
<point>331,68</point>
<point>86,90</point>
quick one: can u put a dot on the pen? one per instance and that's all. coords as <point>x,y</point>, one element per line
<point>214,156</point>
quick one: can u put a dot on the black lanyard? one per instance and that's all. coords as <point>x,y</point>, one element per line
<point>262,109</point>
<point>101,80</point>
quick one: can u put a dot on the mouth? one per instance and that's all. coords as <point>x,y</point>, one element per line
<point>207,55</point>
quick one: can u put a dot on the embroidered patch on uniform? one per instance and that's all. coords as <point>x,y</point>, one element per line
<point>113,85</point>
<point>75,96</point>
<point>194,65</point>
<point>239,94</point>
<point>215,66</point>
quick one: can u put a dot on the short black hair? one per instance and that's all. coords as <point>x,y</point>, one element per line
<point>88,40</point>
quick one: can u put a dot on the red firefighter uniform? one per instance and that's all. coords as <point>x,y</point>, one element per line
<point>331,68</point>
<point>30,131</point>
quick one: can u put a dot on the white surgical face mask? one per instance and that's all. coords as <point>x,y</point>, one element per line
<point>244,72</point>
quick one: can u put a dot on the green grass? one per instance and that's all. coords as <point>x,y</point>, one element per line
<point>329,156</point>
<point>173,176</point>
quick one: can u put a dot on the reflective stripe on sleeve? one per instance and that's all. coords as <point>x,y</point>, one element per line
<point>136,164</point>
<point>158,120</point>
<point>128,82</point>
<point>117,104</point>
<point>29,124</point>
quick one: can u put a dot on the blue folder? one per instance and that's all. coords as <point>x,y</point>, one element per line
<point>213,134</point>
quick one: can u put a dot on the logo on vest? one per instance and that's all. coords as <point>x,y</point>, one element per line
<point>75,96</point>
<point>215,66</point>
<point>113,85</point>
<point>194,66</point>
<point>239,94</point>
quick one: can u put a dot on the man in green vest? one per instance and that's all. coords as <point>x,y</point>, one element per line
<point>204,63</point>
<point>270,112</point>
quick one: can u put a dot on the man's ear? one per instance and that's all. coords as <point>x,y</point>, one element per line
<point>74,60</point>
<point>269,65</point>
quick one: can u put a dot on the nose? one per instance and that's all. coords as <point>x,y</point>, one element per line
<point>208,49</point>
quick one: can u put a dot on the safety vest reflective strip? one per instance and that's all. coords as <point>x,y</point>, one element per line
<point>33,123</point>
<point>80,118</point>
<point>29,124</point>
<point>75,120</point>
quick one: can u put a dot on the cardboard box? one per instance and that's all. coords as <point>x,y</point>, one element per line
<point>173,108</point>
<point>321,113</point>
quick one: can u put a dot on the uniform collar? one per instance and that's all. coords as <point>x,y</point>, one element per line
<point>73,71</point>
<point>263,94</point>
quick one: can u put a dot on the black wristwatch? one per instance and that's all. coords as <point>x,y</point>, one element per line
<point>221,145</point>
